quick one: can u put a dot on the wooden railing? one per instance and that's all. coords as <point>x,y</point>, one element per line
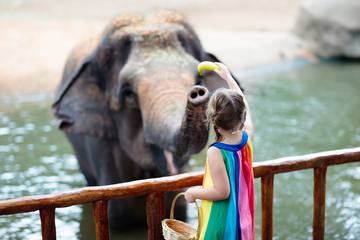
<point>154,190</point>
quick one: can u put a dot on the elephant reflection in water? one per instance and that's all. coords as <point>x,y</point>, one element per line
<point>133,106</point>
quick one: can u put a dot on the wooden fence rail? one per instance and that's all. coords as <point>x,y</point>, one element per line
<point>154,190</point>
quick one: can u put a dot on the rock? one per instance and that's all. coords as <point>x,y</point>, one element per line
<point>330,28</point>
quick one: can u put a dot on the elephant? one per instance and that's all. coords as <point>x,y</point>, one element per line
<point>132,105</point>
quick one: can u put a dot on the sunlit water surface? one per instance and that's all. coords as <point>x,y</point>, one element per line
<point>303,110</point>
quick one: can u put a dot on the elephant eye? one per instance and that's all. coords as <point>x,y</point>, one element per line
<point>128,96</point>
<point>126,91</point>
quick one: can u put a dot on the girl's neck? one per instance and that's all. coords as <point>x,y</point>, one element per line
<point>232,137</point>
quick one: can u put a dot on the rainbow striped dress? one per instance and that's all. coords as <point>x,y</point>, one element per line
<point>232,218</point>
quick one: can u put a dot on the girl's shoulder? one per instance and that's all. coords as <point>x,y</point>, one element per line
<point>213,155</point>
<point>213,149</point>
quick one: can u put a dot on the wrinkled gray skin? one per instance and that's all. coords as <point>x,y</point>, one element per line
<point>133,106</point>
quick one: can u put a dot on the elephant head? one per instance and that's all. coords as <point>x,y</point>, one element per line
<point>137,85</point>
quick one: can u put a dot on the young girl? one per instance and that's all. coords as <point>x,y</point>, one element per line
<point>227,193</point>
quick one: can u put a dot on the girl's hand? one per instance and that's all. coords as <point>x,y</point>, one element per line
<point>190,194</point>
<point>224,73</point>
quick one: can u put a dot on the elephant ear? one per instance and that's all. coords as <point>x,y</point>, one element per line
<point>211,80</point>
<point>80,103</point>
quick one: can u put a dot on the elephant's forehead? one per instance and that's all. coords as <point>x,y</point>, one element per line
<point>160,25</point>
<point>135,19</point>
<point>146,32</point>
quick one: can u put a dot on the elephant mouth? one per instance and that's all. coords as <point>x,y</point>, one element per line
<point>171,167</point>
<point>164,161</point>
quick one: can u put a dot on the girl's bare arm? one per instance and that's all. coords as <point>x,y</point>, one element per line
<point>221,185</point>
<point>225,74</point>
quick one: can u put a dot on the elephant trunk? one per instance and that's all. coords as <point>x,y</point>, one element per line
<point>193,133</point>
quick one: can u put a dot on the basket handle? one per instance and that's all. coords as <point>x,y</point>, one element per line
<point>197,208</point>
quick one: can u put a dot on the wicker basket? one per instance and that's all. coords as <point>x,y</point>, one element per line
<point>177,230</point>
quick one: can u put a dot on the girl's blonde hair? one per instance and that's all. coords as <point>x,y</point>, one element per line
<point>226,110</point>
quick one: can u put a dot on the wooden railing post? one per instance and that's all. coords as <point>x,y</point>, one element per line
<point>319,202</point>
<point>100,213</point>
<point>267,189</point>
<point>48,228</point>
<point>155,212</point>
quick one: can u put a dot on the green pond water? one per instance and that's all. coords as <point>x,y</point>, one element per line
<point>296,110</point>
